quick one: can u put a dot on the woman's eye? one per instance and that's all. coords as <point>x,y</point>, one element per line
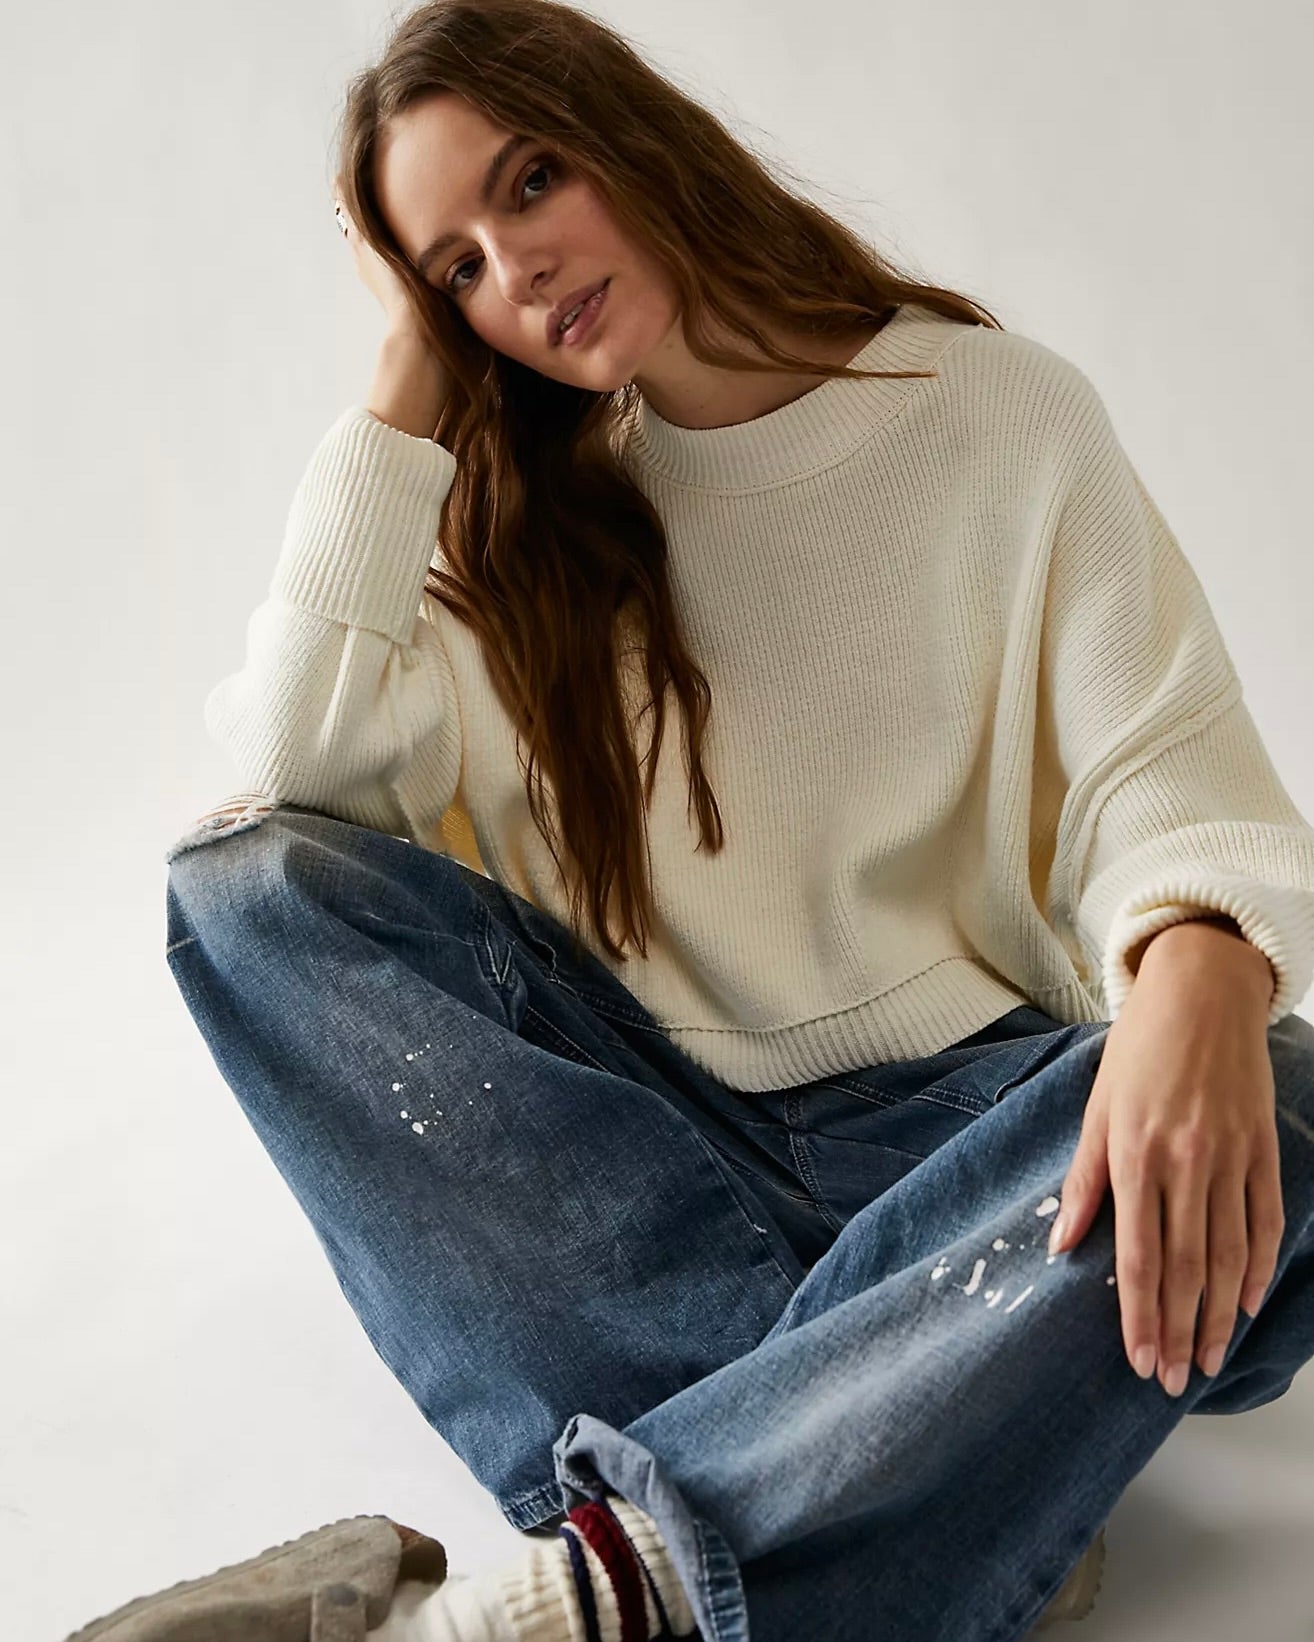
<point>540,167</point>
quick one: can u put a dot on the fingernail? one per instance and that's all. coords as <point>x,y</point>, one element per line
<point>1057,1234</point>
<point>1174,1381</point>
<point>1213,1360</point>
<point>1253,1299</point>
<point>1143,1362</point>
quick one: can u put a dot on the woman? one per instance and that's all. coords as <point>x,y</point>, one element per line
<point>973,894</point>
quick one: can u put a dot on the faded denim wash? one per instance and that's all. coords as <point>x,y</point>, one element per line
<point>815,1333</point>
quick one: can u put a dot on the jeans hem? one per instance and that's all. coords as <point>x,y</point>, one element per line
<point>529,1510</point>
<point>593,1458</point>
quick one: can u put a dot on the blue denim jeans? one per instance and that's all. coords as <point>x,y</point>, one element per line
<point>814,1332</point>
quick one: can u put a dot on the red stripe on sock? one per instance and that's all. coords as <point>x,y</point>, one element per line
<point>606,1536</point>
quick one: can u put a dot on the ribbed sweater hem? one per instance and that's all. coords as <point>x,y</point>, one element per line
<point>952,1000</point>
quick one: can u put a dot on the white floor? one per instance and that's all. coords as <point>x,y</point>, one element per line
<point>184,1384</point>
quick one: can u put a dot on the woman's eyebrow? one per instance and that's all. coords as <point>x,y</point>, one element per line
<point>492,173</point>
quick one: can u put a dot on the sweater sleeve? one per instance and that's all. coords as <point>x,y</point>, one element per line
<point>346,701</point>
<point>1173,808</point>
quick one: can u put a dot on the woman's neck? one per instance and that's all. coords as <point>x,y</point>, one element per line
<point>690,394</point>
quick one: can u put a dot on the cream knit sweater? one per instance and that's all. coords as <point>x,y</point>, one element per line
<point>974,731</point>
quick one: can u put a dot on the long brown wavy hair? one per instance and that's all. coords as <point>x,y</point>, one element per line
<point>549,549</point>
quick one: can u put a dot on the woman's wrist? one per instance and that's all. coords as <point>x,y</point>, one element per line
<point>409,385</point>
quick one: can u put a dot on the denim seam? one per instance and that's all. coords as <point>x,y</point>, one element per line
<point>803,1162</point>
<point>713,1156</point>
<point>860,1092</point>
<point>1034,1062</point>
<point>709,1150</point>
<point>606,1006</point>
<point>718,1609</point>
<point>485,948</point>
<point>505,978</point>
<point>555,1031</point>
<point>951,1097</point>
<point>542,951</point>
<point>746,1173</point>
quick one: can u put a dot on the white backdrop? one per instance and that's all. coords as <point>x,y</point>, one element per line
<point>183,1383</point>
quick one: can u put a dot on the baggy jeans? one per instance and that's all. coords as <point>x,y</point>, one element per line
<point>815,1333</point>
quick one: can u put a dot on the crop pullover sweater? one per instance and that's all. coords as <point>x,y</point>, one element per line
<point>974,730</point>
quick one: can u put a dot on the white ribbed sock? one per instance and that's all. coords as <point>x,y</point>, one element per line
<point>534,1598</point>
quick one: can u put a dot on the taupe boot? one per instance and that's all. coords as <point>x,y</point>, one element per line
<point>330,1585</point>
<point>1075,1597</point>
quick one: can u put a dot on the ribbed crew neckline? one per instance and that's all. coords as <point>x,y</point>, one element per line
<point>821,427</point>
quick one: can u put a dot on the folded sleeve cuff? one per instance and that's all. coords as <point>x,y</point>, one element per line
<point>1130,928</point>
<point>1203,828</point>
<point>362,530</point>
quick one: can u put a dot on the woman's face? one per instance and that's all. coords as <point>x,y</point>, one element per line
<point>541,234</point>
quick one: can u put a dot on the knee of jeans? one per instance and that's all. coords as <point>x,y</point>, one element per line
<point>263,846</point>
<point>241,812</point>
<point>232,867</point>
<point>253,850</point>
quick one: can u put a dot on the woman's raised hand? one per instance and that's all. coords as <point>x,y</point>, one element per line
<point>411,383</point>
<point>375,273</point>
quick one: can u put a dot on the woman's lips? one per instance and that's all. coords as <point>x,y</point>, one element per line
<point>586,318</point>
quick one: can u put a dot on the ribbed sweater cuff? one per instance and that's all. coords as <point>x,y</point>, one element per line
<point>362,529</point>
<point>1180,901</point>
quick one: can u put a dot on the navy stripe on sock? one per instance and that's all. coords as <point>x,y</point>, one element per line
<point>583,1583</point>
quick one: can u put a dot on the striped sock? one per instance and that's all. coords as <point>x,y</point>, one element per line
<point>646,1595</point>
<point>606,1577</point>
